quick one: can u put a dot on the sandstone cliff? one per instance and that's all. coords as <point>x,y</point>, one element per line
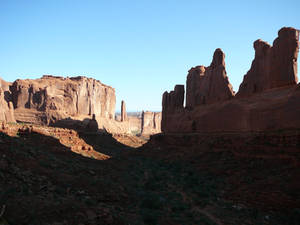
<point>173,100</point>
<point>273,66</point>
<point>141,123</point>
<point>6,106</point>
<point>171,103</point>
<point>78,102</point>
<point>270,94</point>
<point>55,98</point>
<point>151,123</point>
<point>207,85</point>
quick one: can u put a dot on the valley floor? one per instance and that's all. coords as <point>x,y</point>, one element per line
<point>48,179</point>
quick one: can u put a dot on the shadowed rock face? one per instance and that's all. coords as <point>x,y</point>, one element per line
<point>207,85</point>
<point>64,96</point>
<point>172,102</point>
<point>273,66</point>
<point>270,91</point>
<point>92,125</point>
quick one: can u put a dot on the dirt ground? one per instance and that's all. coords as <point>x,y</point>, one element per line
<point>61,176</point>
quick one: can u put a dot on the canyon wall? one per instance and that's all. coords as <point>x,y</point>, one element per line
<point>67,96</point>
<point>205,85</point>
<point>172,103</point>
<point>268,97</point>
<point>54,98</point>
<point>77,102</point>
<point>6,106</point>
<point>273,66</point>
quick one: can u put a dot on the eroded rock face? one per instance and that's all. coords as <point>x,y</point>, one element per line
<point>123,111</point>
<point>206,85</point>
<point>273,76</point>
<point>6,106</point>
<point>193,83</point>
<point>273,66</point>
<point>171,102</point>
<point>272,110</point>
<point>64,96</point>
<point>151,123</point>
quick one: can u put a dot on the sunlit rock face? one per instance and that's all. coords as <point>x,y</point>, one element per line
<point>6,106</point>
<point>61,97</point>
<point>151,123</point>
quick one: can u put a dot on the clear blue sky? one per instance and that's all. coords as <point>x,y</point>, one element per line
<point>141,48</point>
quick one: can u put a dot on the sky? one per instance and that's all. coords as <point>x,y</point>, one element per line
<point>141,48</point>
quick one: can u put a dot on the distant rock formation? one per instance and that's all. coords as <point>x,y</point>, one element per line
<point>205,85</point>
<point>59,97</point>
<point>78,103</point>
<point>273,66</point>
<point>6,106</point>
<point>135,124</point>
<point>268,98</point>
<point>123,111</point>
<point>151,123</point>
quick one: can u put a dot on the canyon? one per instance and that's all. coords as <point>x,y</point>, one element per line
<point>212,156</point>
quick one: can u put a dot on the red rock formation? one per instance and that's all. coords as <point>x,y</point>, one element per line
<point>274,66</point>
<point>123,111</point>
<point>135,124</point>
<point>273,76</point>
<point>62,97</point>
<point>207,85</point>
<point>270,110</point>
<point>6,106</point>
<point>171,102</point>
<point>193,83</point>
<point>151,123</point>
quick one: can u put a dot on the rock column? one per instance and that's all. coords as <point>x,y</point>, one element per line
<point>123,111</point>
